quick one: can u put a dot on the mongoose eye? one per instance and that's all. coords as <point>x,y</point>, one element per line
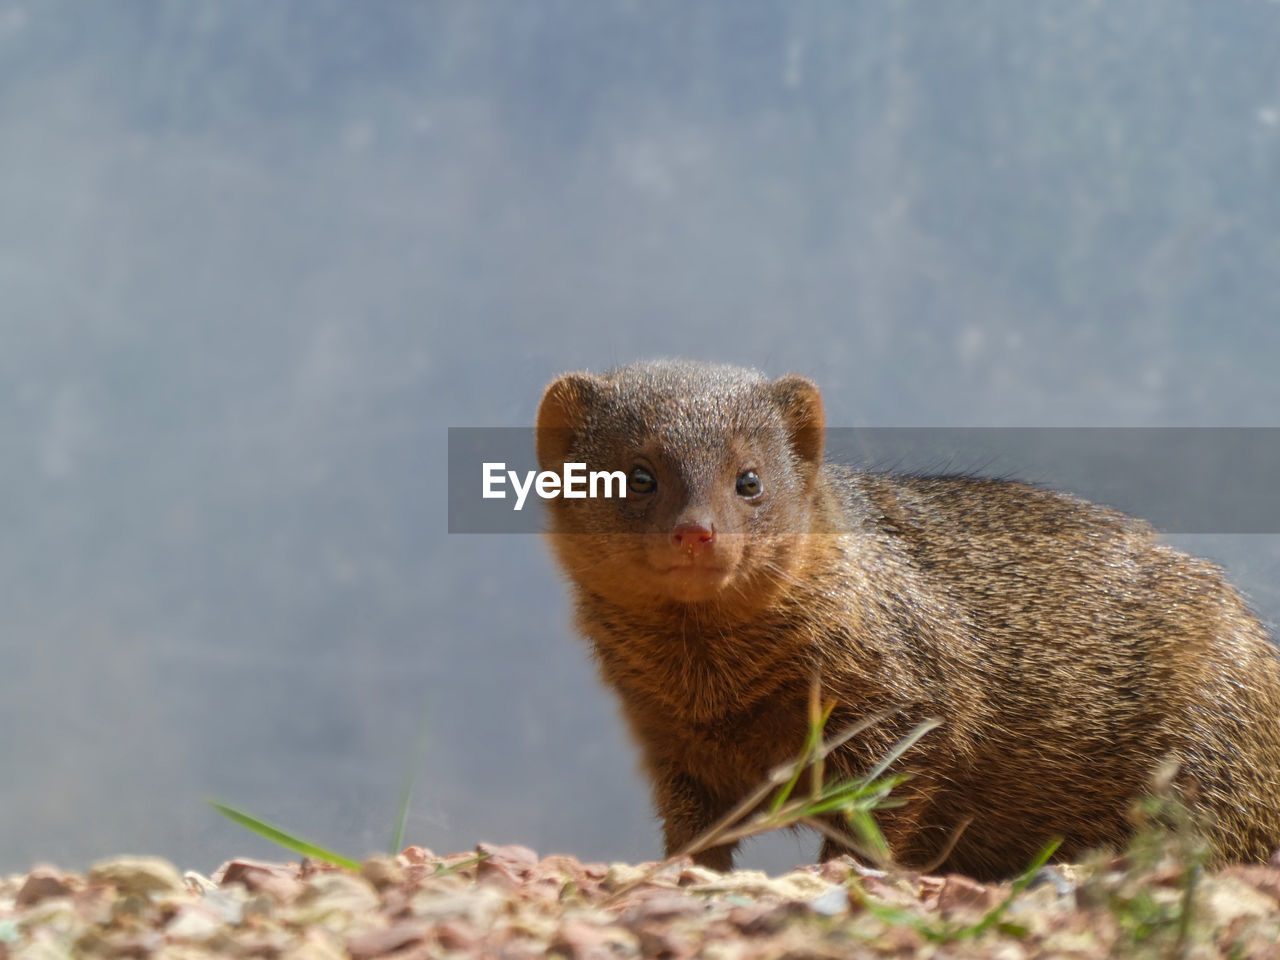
<point>641,480</point>
<point>749,485</point>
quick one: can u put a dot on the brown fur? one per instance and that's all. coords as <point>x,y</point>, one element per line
<point>1067,652</point>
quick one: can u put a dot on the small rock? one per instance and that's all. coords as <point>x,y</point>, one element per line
<point>256,908</point>
<point>497,873</point>
<point>396,901</point>
<point>132,943</point>
<point>960,895</point>
<point>724,950</point>
<point>416,856</point>
<point>799,885</point>
<point>1229,897</point>
<point>38,948</point>
<point>533,925</point>
<point>514,949</point>
<point>663,906</point>
<point>276,880</point>
<point>53,915</point>
<point>555,874</point>
<point>187,951</point>
<point>836,871</point>
<point>696,874</point>
<point>758,919</point>
<point>560,865</point>
<point>256,943</point>
<point>591,916</point>
<point>620,875</point>
<point>374,943</point>
<point>1069,942</point>
<point>900,941</point>
<point>41,883</point>
<point>1251,938</point>
<point>456,935</point>
<point>195,923</point>
<point>478,905</point>
<point>584,941</point>
<point>657,940</point>
<point>751,882</point>
<point>334,893</point>
<point>1037,909</point>
<point>418,863</point>
<point>795,886</point>
<point>544,890</point>
<point>198,883</point>
<point>140,875</point>
<point>669,871</point>
<point>1264,879</point>
<point>517,859</point>
<point>1009,950</point>
<point>316,944</point>
<point>596,871</point>
<point>832,903</point>
<point>127,908</point>
<point>382,872</point>
<point>900,893</point>
<point>1166,874</point>
<point>1053,874</point>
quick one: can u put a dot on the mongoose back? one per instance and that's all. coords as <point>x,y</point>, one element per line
<point>1066,651</point>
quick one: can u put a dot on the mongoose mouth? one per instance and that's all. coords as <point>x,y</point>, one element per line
<point>694,581</point>
<point>696,571</point>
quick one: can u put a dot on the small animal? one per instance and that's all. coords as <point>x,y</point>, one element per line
<point>1066,651</point>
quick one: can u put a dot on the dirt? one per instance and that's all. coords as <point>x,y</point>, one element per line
<point>507,902</point>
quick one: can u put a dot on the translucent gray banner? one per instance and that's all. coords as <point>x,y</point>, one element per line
<point>1180,479</point>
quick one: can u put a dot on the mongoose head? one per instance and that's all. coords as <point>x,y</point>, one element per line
<point>720,464</point>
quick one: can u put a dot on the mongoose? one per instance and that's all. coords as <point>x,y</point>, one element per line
<point>1066,651</point>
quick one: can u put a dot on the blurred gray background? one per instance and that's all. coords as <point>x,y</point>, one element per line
<point>256,258</point>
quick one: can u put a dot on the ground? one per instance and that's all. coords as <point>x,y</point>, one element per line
<point>506,901</point>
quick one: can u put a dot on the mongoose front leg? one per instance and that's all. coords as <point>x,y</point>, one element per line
<point>689,810</point>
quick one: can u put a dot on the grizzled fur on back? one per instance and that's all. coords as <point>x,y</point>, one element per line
<point>1067,652</point>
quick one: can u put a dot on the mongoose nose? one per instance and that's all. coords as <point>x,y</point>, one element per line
<point>692,537</point>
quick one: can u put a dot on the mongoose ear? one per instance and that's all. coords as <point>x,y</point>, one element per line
<point>563,411</point>
<point>801,404</point>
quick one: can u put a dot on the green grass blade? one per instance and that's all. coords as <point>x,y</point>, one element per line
<point>442,871</point>
<point>847,794</point>
<point>807,757</point>
<point>410,780</point>
<point>840,801</point>
<point>1016,888</point>
<point>902,746</point>
<point>869,836</point>
<point>402,815</point>
<point>283,838</point>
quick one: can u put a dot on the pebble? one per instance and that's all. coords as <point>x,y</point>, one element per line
<point>962,897</point>
<point>832,903</point>
<point>194,922</point>
<point>335,897</point>
<point>373,943</point>
<point>141,875</point>
<point>41,883</point>
<point>584,941</point>
<point>383,872</point>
